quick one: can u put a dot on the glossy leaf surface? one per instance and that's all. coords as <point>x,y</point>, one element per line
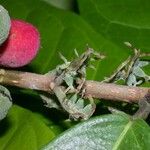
<point>109,132</point>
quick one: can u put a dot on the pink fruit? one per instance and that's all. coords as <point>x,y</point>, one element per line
<point>21,46</point>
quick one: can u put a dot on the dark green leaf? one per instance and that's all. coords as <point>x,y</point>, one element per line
<point>109,132</point>
<point>119,20</point>
<point>63,4</point>
<point>23,130</point>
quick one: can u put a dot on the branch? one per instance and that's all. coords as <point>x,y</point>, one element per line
<point>26,80</point>
<point>94,89</point>
<point>115,92</point>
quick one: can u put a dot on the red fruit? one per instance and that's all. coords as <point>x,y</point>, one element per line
<point>21,46</point>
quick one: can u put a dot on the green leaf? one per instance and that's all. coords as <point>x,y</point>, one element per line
<point>23,130</point>
<point>116,132</point>
<point>4,24</point>
<point>119,20</point>
<point>63,4</point>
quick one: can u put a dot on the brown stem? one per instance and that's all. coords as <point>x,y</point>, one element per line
<point>26,80</point>
<point>94,89</point>
<point>115,92</point>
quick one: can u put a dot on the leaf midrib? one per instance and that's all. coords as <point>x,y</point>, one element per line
<point>122,135</point>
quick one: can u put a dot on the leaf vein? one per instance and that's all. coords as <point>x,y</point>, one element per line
<point>122,135</point>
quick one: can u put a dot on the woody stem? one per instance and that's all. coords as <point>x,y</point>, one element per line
<point>95,89</point>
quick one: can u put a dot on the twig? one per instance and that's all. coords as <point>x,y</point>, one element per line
<point>115,92</point>
<point>26,80</point>
<point>94,89</point>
